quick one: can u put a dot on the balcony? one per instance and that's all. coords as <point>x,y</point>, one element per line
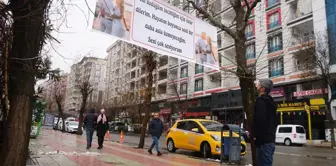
<point>273,25</point>
<point>272,3</point>
<point>198,88</point>
<point>162,89</point>
<point>199,69</point>
<point>251,55</point>
<point>249,34</point>
<point>272,49</point>
<point>276,72</point>
<point>184,75</point>
<point>173,62</point>
<point>300,12</point>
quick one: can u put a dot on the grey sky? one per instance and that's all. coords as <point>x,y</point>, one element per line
<point>76,35</point>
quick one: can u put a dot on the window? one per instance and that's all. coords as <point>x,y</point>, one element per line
<point>183,88</point>
<point>270,3</point>
<point>198,69</point>
<point>285,130</point>
<point>300,130</point>
<point>275,43</point>
<point>191,125</point>
<point>273,20</point>
<point>250,51</point>
<point>219,40</point>
<point>276,67</point>
<point>249,30</point>
<point>184,72</point>
<point>182,125</point>
<point>199,85</point>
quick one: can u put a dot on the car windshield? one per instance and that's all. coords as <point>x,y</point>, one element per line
<point>212,126</point>
<point>73,123</point>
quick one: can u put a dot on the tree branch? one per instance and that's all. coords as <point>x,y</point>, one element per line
<point>212,20</point>
<point>250,8</point>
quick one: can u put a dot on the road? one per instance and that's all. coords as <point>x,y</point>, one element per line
<point>284,156</point>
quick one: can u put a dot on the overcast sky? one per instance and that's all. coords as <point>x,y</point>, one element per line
<point>76,35</point>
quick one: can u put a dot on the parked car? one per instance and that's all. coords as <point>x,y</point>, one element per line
<point>71,126</point>
<point>118,126</point>
<point>291,134</point>
<point>55,125</point>
<point>198,135</point>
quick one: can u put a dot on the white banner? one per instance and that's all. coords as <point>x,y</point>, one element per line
<point>160,27</point>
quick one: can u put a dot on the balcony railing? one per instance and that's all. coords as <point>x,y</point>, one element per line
<point>273,25</point>
<point>304,67</point>
<point>274,48</point>
<point>272,3</point>
<point>198,70</point>
<point>183,75</point>
<point>250,55</point>
<point>198,89</point>
<point>249,34</point>
<point>276,72</point>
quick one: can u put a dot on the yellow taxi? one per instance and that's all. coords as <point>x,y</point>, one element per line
<point>198,135</point>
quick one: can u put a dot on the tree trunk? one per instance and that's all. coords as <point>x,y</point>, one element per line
<point>29,31</point>
<point>246,81</point>
<point>81,116</point>
<point>148,98</point>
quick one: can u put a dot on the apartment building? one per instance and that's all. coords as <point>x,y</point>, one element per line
<point>278,33</point>
<point>52,88</point>
<point>126,73</point>
<point>90,69</point>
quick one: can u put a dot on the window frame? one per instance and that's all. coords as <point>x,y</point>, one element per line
<point>196,83</point>
<point>268,15</point>
<point>271,69</point>
<point>272,40</point>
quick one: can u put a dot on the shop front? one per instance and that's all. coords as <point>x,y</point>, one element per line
<point>310,113</point>
<point>227,108</point>
<point>197,113</point>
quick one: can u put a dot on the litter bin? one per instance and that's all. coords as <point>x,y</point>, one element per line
<point>230,146</point>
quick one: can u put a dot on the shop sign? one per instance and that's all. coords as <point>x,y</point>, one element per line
<point>311,92</point>
<point>293,103</point>
<point>277,92</point>
<point>197,114</point>
<point>165,111</point>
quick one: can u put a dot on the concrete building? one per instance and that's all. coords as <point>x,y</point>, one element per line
<point>278,35</point>
<point>126,73</point>
<point>91,69</point>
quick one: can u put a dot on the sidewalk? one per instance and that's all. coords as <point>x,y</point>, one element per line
<point>56,148</point>
<point>318,143</point>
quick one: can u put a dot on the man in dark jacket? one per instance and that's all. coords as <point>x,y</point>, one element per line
<point>102,127</point>
<point>156,129</point>
<point>265,123</point>
<point>90,122</point>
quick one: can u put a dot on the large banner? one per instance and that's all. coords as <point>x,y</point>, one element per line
<point>160,27</point>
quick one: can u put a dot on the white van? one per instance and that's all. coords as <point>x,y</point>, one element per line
<point>290,134</point>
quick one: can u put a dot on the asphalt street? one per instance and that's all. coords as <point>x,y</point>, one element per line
<point>284,156</point>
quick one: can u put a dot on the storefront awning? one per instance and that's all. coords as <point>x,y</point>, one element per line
<point>228,108</point>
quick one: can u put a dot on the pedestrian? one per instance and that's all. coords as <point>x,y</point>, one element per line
<point>265,123</point>
<point>102,127</point>
<point>155,129</point>
<point>90,122</point>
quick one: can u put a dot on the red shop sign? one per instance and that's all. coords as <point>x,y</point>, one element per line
<point>197,113</point>
<point>277,92</point>
<point>165,111</point>
<point>310,92</point>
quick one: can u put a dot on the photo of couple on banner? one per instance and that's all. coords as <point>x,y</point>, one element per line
<point>112,18</point>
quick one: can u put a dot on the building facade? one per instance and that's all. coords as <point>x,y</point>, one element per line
<point>89,69</point>
<point>279,35</point>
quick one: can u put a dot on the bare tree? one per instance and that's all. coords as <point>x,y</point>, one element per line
<point>85,89</point>
<point>246,78</point>
<point>314,57</point>
<point>150,66</point>
<point>59,97</point>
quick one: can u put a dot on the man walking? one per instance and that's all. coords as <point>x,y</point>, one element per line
<point>155,129</point>
<point>90,122</point>
<point>265,123</point>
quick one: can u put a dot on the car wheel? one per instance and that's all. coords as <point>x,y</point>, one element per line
<point>171,145</point>
<point>288,142</point>
<point>206,150</point>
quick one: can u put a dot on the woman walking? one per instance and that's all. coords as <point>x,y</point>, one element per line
<point>102,127</point>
